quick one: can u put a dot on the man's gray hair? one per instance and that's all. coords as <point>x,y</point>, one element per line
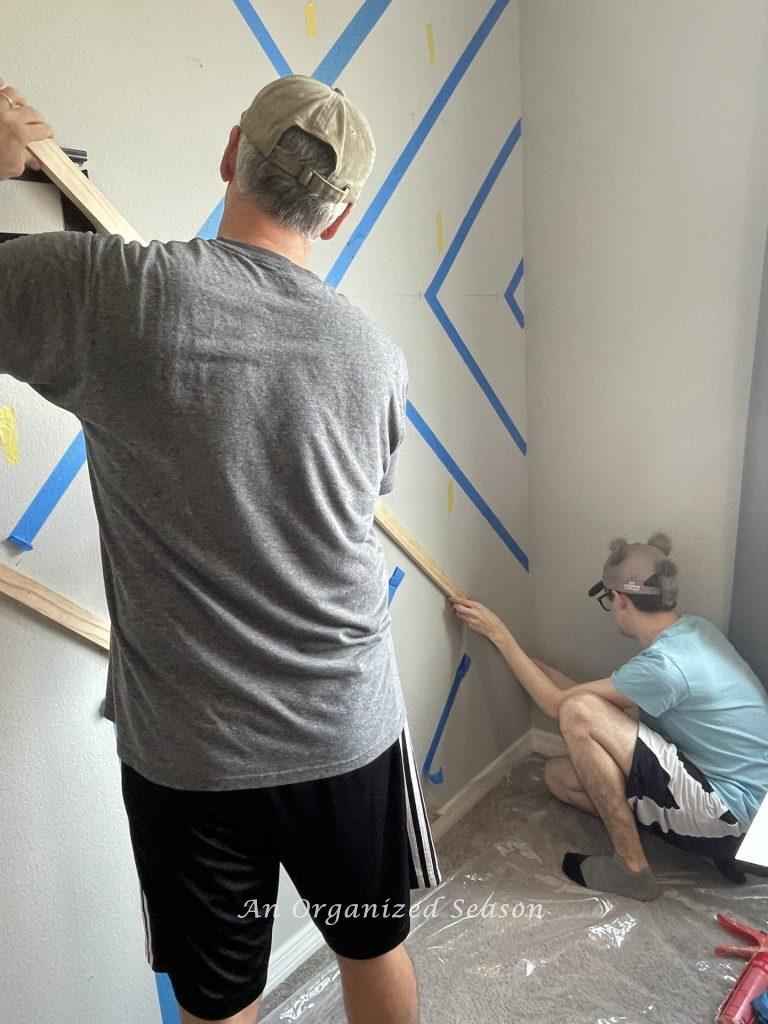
<point>280,196</point>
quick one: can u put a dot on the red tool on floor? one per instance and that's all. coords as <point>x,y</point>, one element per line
<point>753,980</point>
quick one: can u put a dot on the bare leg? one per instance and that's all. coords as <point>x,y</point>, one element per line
<point>563,782</point>
<point>247,1016</point>
<point>381,990</point>
<point>600,740</point>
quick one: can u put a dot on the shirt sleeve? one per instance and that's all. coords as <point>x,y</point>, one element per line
<point>51,311</point>
<point>396,428</point>
<point>652,681</point>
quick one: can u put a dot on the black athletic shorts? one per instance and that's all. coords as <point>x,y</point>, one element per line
<point>353,844</point>
<point>674,800</point>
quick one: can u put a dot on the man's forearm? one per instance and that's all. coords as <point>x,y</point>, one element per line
<point>534,680</point>
<point>560,679</point>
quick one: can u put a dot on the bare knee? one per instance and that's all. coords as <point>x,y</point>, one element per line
<point>579,712</point>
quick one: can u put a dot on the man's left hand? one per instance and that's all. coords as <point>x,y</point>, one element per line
<point>20,124</point>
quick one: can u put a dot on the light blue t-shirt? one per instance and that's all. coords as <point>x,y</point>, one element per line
<point>693,688</point>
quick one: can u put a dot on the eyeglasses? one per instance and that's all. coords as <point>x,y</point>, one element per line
<point>607,596</point>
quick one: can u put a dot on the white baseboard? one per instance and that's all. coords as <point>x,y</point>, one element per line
<point>551,744</point>
<point>289,956</point>
<point>476,788</point>
<point>294,951</point>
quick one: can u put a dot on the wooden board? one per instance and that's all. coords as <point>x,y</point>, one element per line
<point>53,606</point>
<point>106,219</point>
<point>87,198</point>
<point>389,524</point>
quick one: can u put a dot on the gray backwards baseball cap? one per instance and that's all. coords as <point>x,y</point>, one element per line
<point>325,112</point>
<point>630,565</point>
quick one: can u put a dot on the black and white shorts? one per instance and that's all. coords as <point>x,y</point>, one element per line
<point>674,800</point>
<point>208,862</point>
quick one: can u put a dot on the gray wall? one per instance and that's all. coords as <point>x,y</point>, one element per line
<point>646,202</point>
<point>749,610</point>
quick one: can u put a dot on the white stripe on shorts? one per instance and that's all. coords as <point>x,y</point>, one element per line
<point>698,813</point>
<point>147,929</point>
<point>421,847</point>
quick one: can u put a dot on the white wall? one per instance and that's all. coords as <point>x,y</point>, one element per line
<point>150,90</point>
<point>645,219</point>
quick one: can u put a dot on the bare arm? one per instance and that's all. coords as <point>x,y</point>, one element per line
<point>545,692</point>
<point>560,679</point>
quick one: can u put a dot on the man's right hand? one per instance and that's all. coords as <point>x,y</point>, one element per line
<point>20,124</point>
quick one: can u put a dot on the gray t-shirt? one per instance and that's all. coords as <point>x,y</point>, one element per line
<point>240,418</point>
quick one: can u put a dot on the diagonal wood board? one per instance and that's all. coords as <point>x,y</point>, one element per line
<point>106,220</point>
<point>53,606</point>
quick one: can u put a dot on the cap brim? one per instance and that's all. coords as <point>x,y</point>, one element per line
<point>594,591</point>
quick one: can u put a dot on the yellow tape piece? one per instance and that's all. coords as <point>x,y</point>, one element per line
<point>431,42</point>
<point>451,496</point>
<point>9,438</point>
<point>440,236</point>
<point>310,17</point>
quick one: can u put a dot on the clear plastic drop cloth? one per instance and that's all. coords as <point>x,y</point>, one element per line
<point>506,937</point>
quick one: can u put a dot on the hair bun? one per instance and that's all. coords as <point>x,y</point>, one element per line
<point>662,542</point>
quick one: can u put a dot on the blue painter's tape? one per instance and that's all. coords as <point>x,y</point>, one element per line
<point>477,373</point>
<point>169,1008</point>
<point>442,272</point>
<point>471,215</point>
<point>465,483</point>
<point>211,226</point>
<point>350,41</point>
<point>49,495</point>
<point>394,582</point>
<point>461,671</point>
<point>268,44</point>
<point>406,158</point>
<point>509,294</point>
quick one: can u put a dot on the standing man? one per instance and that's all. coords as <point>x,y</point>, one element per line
<point>241,419</point>
<point>676,741</point>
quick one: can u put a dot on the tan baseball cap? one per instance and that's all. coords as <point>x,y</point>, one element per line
<point>325,112</point>
<point>630,565</point>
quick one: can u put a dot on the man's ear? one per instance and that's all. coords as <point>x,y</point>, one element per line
<point>331,230</point>
<point>621,600</point>
<point>229,159</point>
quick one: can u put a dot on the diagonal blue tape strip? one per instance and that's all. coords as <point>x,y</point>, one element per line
<point>471,215</point>
<point>509,294</point>
<point>350,41</point>
<point>442,271</point>
<point>211,226</point>
<point>169,1010</point>
<point>406,158</point>
<point>485,385</point>
<point>461,671</point>
<point>49,495</point>
<point>394,582</point>
<point>466,484</point>
<point>268,44</point>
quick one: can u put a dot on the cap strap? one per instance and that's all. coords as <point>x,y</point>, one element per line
<point>306,177</point>
<point>634,588</point>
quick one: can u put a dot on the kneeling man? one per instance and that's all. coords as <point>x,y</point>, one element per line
<point>675,741</point>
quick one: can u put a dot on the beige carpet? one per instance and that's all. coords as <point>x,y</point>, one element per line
<point>558,953</point>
